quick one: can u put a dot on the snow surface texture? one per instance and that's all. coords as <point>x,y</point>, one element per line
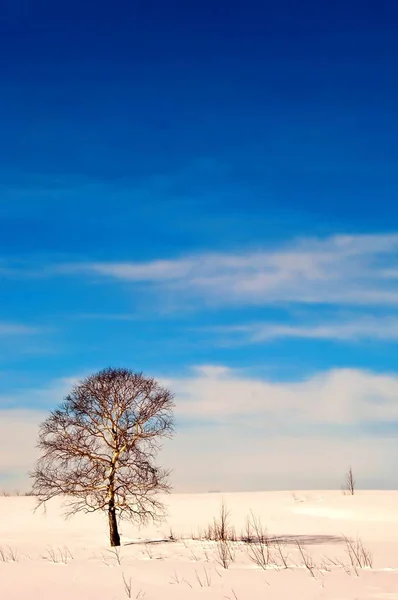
<point>44,556</point>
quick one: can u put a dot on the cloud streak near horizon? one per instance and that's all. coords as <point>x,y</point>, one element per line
<point>243,421</point>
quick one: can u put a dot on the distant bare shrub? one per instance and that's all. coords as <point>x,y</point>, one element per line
<point>220,528</point>
<point>349,483</point>
<point>247,534</point>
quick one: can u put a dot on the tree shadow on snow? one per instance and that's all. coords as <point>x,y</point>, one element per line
<point>308,539</point>
<point>274,539</point>
<point>147,542</point>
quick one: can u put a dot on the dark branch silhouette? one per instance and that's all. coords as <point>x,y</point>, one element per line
<point>99,448</point>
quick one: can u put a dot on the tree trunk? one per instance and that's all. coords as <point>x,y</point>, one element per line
<point>113,530</point>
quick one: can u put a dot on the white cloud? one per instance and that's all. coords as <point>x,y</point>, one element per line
<point>18,452</point>
<point>235,431</point>
<point>247,433</point>
<point>343,269</point>
<point>19,428</point>
<point>336,397</point>
<point>18,437</point>
<point>158,270</point>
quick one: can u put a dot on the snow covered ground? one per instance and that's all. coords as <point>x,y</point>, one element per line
<point>43,556</point>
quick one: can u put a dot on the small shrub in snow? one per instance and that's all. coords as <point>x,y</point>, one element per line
<point>359,556</point>
<point>257,542</point>
<point>225,553</point>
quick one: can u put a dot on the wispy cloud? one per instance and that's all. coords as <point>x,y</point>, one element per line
<point>41,398</point>
<point>10,329</point>
<point>159,270</point>
<point>108,316</point>
<point>343,269</point>
<point>367,327</point>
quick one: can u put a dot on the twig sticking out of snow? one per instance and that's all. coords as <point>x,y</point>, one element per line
<point>307,559</point>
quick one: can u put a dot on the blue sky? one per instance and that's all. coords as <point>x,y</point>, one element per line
<point>206,192</point>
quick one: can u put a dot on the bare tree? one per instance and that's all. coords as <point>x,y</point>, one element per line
<point>99,448</point>
<point>349,484</point>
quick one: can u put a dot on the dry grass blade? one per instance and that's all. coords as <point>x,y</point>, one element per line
<point>279,550</point>
<point>307,560</point>
<point>12,554</point>
<point>127,585</point>
<point>176,579</point>
<point>205,581</point>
